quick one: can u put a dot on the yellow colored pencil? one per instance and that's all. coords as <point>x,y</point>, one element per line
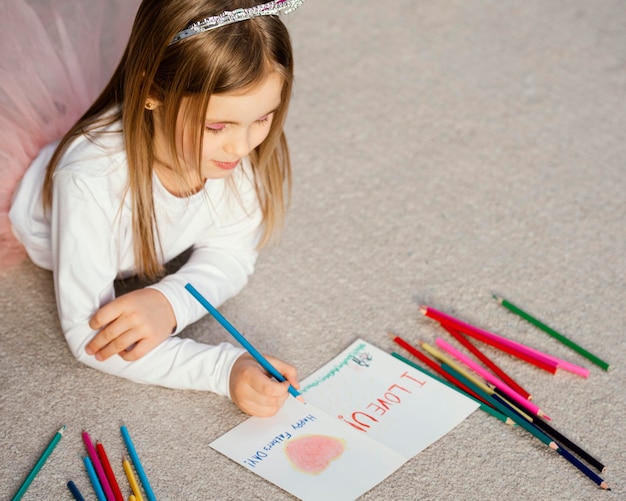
<point>132,498</point>
<point>451,363</point>
<point>128,469</point>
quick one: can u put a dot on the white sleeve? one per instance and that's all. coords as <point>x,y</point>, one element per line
<point>85,257</point>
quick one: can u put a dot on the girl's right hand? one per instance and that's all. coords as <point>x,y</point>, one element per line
<point>254,391</point>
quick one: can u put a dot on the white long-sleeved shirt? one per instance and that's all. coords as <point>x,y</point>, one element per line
<point>87,242</point>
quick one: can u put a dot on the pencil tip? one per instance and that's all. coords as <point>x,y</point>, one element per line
<point>423,309</point>
<point>497,298</point>
<point>391,335</point>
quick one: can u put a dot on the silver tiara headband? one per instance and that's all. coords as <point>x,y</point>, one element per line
<point>234,16</point>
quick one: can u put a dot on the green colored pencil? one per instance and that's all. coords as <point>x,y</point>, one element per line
<point>548,330</point>
<point>42,459</point>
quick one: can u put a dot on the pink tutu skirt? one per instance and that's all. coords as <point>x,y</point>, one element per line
<point>56,56</point>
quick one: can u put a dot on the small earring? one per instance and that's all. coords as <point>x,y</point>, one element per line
<point>150,105</point>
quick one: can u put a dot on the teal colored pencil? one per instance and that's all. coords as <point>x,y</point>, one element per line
<point>533,430</point>
<point>556,335</point>
<point>38,465</point>
<point>483,407</point>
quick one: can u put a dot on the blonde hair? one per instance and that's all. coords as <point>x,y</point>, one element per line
<point>226,59</point>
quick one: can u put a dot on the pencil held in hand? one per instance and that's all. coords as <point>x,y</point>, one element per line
<point>241,339</point>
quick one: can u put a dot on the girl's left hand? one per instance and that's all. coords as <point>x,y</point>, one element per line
<point>131,325</point>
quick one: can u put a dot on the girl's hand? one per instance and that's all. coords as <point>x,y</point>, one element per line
<point>131,325</point>
<point>254,391</point>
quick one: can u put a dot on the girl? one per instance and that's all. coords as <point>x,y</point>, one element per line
<point>183,149</point>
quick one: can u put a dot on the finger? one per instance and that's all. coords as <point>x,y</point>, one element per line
<point>137,350</point>
<point>118,346</point>
<point>106,335</point>
<point>105,315</point>
<point>289,372</point>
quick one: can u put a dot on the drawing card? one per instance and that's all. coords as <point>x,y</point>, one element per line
<point>366,414</point>
<point>386,399</point>
<point>309,454</point>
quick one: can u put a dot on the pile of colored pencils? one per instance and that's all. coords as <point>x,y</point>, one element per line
<point>492,388</point>
<point>99,471</point>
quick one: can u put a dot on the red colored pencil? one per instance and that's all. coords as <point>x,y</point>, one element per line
<point>435,366</point>
<point>486,361</point>
<point>106,466</point>
<point>488,338</point>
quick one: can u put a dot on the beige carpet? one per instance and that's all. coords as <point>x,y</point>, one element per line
<point>443,151</point>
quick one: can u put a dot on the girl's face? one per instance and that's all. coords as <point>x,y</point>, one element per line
<point>235,124</point>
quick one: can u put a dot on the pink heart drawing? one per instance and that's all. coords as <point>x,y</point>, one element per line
<point>312,454</point>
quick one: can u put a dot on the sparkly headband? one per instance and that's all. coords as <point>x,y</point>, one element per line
<point>234,16</point>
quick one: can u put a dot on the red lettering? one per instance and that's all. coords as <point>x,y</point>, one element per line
<point>354,415</point>
<point>388,396</point>
<point>351,424</point>
<point>407,375</point>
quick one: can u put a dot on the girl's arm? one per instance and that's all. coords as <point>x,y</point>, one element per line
<point>86,254</point>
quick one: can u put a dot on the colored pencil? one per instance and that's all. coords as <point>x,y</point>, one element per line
<point>498,383</point>
<point>531,355</point>
<point>132,498</point>
<point>241,339</point>
<point>93,477</point>
<point>430,363</point>
<point>582,467</point>
<point>487,361</point>
<point>466,375</point>
<point>535,431</point>
<point>543,362</point>
<point>75,492</point>
<point>137,464</point>
<point>97,465</point>
<point>39,464</point>
<point>556,335</point>
<point>562,439</point>
<point>520,420</point>
<point>483,406</point>
<point>128,469</point>
<point>108,471</point>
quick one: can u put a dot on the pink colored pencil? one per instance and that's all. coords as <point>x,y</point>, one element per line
<point>97,465</point>
<point>490,364</point>
<point>562,364</point>
<point>483,335</point>
<point>497,382</point>
<point>542,363</point>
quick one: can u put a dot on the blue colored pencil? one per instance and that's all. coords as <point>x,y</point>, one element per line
<point>137,464</point>
<point>241,339</point>
<point>93,477</point>
<point>75,492</point>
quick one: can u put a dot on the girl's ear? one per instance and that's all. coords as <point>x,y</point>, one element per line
<point>151,104</point>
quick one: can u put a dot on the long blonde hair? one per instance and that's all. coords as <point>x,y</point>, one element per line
<point>226,59</point>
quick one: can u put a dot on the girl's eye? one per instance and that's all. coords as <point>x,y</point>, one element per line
<point>265,119</point>
<point>215,128</point>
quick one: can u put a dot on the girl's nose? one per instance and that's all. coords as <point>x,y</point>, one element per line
<point>239,145</point>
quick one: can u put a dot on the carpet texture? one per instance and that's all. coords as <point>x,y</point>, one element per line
<point>442,152</point>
